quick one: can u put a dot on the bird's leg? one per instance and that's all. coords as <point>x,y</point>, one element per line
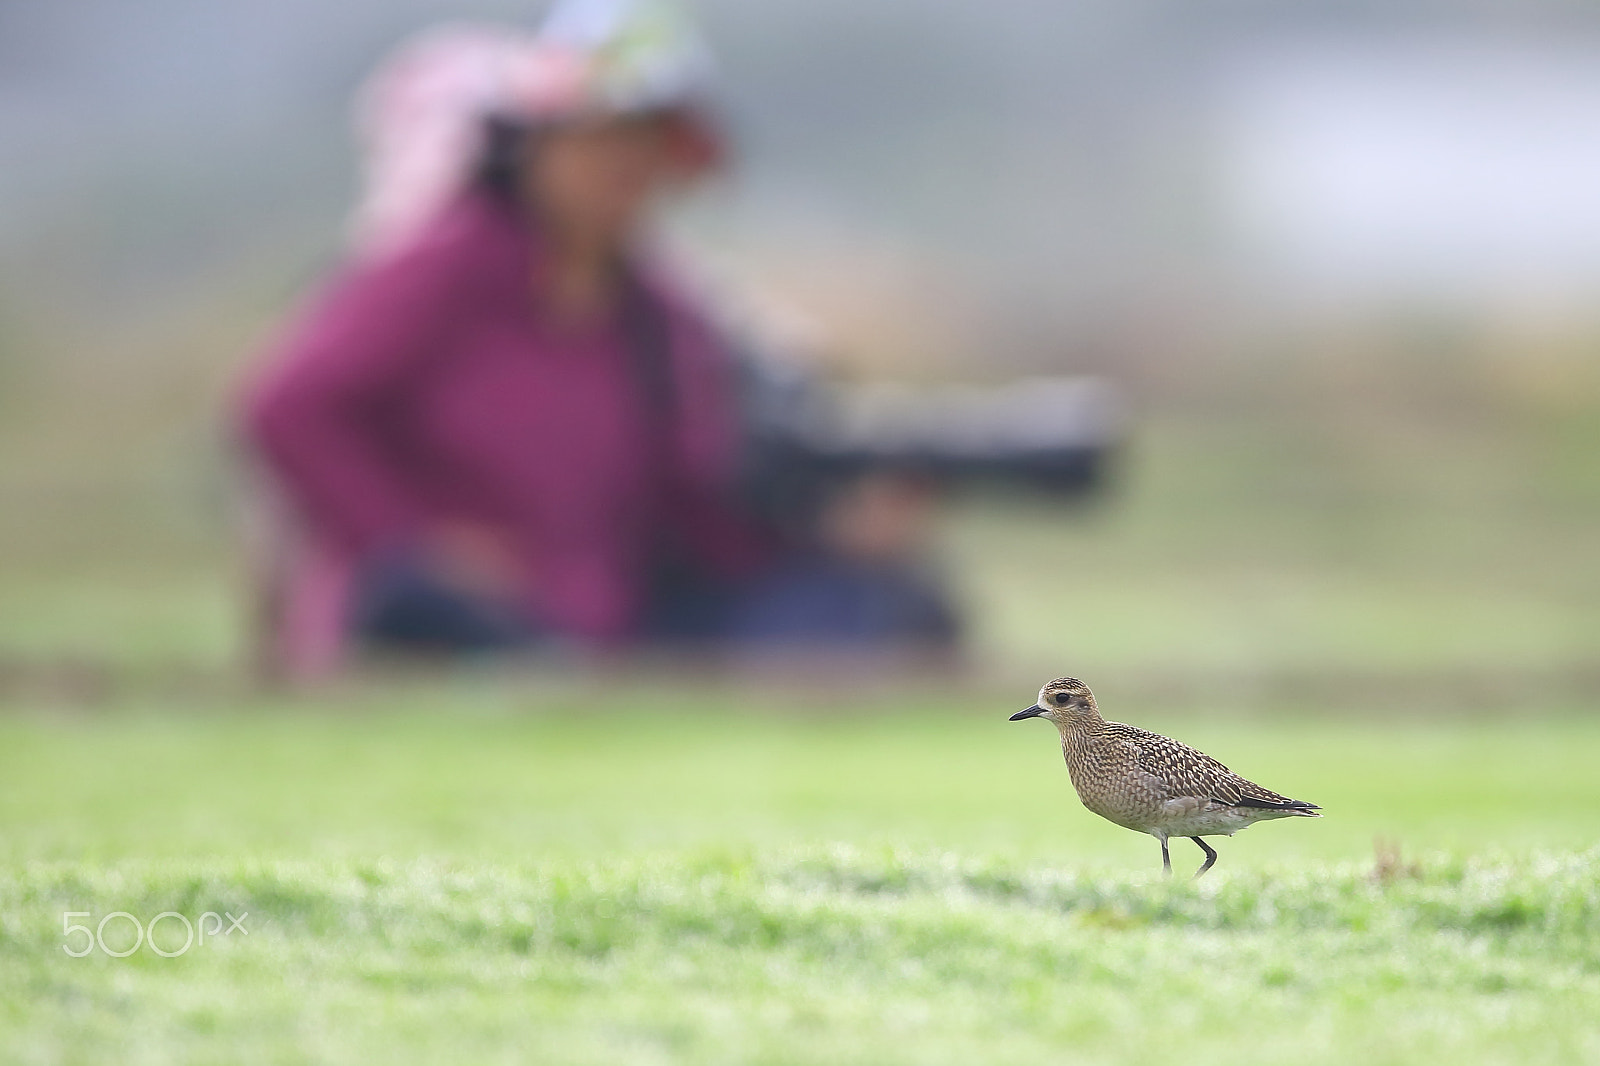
<point>1211,856</point>
<point>1166,859</point>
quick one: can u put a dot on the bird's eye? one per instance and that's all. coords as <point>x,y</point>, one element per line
<point>1060,699</point>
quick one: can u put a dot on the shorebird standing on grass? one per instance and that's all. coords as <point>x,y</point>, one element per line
<point>1151,783</point>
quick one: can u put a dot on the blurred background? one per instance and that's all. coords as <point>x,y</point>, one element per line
<point>1342,261</point>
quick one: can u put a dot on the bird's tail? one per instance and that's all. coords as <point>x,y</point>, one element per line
<point>1284,808</point>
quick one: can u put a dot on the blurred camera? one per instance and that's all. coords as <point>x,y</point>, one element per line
<point>806,436</point>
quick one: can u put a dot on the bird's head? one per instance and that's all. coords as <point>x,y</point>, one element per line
<point>1064,700</point>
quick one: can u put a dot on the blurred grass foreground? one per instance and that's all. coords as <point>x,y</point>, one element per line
<point>665,877</point>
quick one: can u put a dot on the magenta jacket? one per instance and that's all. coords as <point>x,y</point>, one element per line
<point>427,387</point>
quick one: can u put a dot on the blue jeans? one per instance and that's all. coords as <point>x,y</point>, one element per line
<point>810,600</point>
<point>401,606</point>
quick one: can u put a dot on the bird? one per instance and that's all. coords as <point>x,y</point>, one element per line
<point>1150,783</point>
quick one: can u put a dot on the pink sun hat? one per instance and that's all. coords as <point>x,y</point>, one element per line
<point>422,116</point>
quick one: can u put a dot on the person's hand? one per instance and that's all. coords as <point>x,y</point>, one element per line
<point>474,558</point>
<point>879,517</point>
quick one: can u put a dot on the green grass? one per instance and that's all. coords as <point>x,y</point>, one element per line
<point>487,873</point>
<point>821,955</point>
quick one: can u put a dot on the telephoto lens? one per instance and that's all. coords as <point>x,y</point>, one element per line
<point>806,436</point>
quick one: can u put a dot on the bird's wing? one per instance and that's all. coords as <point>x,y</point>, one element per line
<point>1184,771</point>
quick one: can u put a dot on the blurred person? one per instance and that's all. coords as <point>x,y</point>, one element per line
<point>507,425</point>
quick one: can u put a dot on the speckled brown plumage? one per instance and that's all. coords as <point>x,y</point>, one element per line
<point>1151,783</point>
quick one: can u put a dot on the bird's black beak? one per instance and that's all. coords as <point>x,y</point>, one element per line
<point>1031,712</point>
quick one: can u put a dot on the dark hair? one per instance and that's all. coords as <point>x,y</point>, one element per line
<point>505,149</point>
